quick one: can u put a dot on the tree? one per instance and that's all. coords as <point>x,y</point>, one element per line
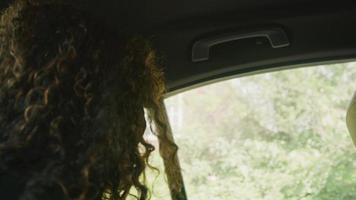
<point>278,135</point>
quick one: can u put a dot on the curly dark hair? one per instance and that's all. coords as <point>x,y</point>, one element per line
<point>73,95</point>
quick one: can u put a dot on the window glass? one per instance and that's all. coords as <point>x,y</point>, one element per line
<point>279,135</point>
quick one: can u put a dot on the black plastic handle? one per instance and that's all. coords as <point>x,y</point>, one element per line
<point>201,49</point>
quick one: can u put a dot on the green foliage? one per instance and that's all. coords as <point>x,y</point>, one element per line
<point>279,135</point>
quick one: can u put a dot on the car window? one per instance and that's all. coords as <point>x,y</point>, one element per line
<point>278,135</point>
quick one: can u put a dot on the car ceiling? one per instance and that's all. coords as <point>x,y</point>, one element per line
<point>317,30</point>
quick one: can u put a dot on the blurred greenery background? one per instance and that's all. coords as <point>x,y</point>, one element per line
<point>278,135</point>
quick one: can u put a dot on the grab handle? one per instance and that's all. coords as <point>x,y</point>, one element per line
<point>201,48</point>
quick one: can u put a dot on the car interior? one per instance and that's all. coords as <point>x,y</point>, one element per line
<point>206,41</point>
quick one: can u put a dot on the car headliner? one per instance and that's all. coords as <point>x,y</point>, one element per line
<point>318,31</point>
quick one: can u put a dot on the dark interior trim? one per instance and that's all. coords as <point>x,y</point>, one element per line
<point>314,38</point>
<point>257,70</point>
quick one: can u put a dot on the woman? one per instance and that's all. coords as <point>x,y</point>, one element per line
<point>72,100</point>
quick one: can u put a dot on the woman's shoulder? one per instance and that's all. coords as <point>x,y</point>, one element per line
<point>11,186</point>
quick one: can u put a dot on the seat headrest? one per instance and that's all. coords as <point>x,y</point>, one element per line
<point>351,119</point>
